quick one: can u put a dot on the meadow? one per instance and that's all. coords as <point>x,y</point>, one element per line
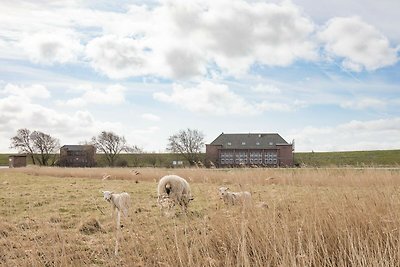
<point>309,217</point>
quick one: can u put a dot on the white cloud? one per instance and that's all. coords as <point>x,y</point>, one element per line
<point>273,106</point>
<point>70,127</point>
<point>266,88</point>
<point>185,62</point>
<point>364,103</point>
<point>118,57</point>
<point>360,45</point>
<point>184,39</point>
<point>181,39</point>
<point>150,117</point>
<point>207,97</point>
<point>217,99</point>
<point>236,34</point>
<point>353,135</point>
<point>32,91</point>
<point>112,95</point>
<point>381,125</point>
<point>51,47</point>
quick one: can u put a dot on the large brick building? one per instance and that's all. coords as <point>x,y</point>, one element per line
<point>261,149</point>
<point>77,156</point>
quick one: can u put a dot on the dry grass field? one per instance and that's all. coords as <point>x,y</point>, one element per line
<point>313,217</point>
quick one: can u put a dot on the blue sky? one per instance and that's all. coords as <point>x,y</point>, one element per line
<point>323,73</point>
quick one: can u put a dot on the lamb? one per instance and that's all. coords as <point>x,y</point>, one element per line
<point>120,202</point>
<point>233,198</point>
<point>173,189</point>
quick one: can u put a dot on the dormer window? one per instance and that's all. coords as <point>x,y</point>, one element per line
<point>243,143</point>
<point>271,143</point>
<point>229,143</point>
<point>258,143</point>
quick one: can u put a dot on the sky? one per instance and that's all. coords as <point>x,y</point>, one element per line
<point>325,74</point>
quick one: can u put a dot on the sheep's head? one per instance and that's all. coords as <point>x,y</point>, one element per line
<point>107,195</point>
<point>223,191</point>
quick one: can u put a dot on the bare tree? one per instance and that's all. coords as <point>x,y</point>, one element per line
<point>46,147</point>
<point>39,146</point>
<point>112,145</point>
<point>187,142</point>
<point>22,142</point>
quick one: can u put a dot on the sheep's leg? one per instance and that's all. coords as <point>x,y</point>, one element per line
<point>117,233</point>
<point>118,219</point>
<point>116,246</point>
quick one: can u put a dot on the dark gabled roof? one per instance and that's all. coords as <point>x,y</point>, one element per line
<point>249,141</point>
<point>75,147</point>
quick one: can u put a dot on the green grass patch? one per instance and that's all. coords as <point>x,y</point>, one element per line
<point>352,158</point>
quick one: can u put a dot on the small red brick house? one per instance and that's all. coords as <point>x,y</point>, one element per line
<point>77,156</point>
<point>259,149</point>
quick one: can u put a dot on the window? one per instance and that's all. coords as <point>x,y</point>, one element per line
<point>258,143</point>
<point>241,157</point>
<point>256,157</point>
<point>226,157</point>
<point>271,143</point>
<point>271,157</point>
<point>229,143</point>
<point>243,143</point>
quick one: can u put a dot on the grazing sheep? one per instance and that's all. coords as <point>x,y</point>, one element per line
<point>234,198</point>
<point>172,190</point>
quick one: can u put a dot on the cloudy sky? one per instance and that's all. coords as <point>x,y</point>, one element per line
<point>324,73</point>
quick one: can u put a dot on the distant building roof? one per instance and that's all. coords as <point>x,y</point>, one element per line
<point>75,147</point>
<point>249,141</point>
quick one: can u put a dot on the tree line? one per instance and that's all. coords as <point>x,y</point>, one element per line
<point>43,148</point>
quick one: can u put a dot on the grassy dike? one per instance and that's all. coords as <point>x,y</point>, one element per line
<point>376,158</point>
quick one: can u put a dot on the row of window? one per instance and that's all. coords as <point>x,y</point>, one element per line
<point>253,158</point>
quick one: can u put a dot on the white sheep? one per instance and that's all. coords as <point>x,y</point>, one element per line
<point>234,198</point>
<point>121,203</point>
<point>173,189</point>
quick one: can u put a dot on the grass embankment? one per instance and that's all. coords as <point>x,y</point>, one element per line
<point>315,217</point>
<point>164,160</point>
<point>313,159</point>
<point>4,159</point>
<point>350,158</point>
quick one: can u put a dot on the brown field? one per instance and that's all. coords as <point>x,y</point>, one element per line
<point>315,217</point>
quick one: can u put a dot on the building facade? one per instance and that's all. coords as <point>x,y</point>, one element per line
<point>261,149</point>
<point>77,156</point>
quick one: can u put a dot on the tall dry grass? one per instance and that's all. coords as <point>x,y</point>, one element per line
<point>315,217</point>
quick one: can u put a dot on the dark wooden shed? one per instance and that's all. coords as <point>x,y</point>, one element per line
<point>16,161</point>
